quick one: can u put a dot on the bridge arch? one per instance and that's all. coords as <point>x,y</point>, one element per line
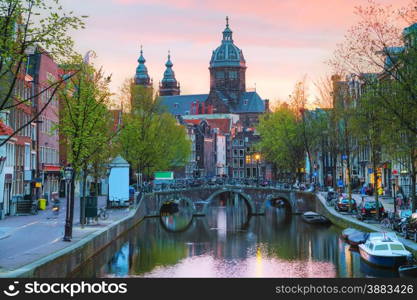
<point>274,197</point>
<point>189,203</point>
<point>247,198</point>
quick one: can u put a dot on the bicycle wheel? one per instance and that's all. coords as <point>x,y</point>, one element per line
<point>386,223</point>
<point>104,215</point>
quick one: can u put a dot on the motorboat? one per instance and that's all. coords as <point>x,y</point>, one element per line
<point>314,218</point>
<point>384,250</point>
<point>408,271</point>
<point>357,238</point>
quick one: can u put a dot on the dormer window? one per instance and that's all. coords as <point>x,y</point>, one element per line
<point>245,102</point>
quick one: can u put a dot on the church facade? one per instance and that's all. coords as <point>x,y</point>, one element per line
<point>219,120</point>
<point>227,94</point>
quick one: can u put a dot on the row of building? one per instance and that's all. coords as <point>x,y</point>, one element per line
<point>220,123</point>
<point>330,167</point>
<point>30,160</point>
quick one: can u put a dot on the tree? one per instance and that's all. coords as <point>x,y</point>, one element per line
<point>368,126</point>
<point>379,44</point>
<point>84,120</point>
<point>281,142</point>
<point>151,139</point>
<point>27,26</point>
<point>330,135</point>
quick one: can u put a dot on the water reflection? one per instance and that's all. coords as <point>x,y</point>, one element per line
<point>176,216</point>
<point>228,243</point>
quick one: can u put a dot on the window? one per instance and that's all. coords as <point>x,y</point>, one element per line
<point>241,174</point>
<point>241,163</point>
<point>235,161</point>
<point>245,102</point>
<point>248,172</point>
<point>233,74</point>
<point>235,152</point>
<point>381,247</point>
<point>395,247</point>
<point>241,153</point>
<point>176,105</point>
<point>220,75</point>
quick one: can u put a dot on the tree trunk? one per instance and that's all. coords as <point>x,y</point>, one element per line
<point>83,200</point>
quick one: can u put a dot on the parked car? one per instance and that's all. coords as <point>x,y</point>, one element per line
<point>367,209</point>
<point>331,195</point>
<point>343,203</point>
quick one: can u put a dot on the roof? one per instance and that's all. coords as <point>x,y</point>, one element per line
<point>180,105</point>
<point>118,160</point>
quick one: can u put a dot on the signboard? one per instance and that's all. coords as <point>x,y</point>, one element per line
<point>164,175</point>
<point>38,184</point>
<point>340,183</point>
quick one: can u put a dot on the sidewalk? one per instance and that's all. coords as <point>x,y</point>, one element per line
<point>24,239</point>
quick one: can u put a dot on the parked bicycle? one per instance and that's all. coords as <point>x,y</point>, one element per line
<point>102,213</point>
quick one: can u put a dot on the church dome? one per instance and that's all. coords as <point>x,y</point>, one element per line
<point>227,54</point>
<point>142,76</point>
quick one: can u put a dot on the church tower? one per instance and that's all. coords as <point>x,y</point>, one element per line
<point>169,85</point>
<point>228,69</point>
<point>142,76</point>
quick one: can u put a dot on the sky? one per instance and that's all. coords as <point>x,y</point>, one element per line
<point>282,40</point>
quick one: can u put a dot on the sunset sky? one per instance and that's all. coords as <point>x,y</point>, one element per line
<point>282,40</point>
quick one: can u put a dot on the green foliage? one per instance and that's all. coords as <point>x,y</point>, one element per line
<point>152,139</point>
<point>29,27</point>
<point>281,141</point>
<point>84,116</point>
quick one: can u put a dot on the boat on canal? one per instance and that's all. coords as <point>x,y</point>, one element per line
<point>408,271</point>
<point>312,217</point>
<point>384,250</point>
<point>357,237</point>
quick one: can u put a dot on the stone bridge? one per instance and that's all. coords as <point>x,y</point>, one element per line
<point>256,198</point>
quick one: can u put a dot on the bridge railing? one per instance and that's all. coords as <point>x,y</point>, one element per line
<point>199,183</point>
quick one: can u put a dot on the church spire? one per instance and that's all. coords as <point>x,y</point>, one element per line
<point>142,76</point>
<point>169,85</point>
<point>227,33</point>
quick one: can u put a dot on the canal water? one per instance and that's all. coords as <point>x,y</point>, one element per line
<point>228,243</point>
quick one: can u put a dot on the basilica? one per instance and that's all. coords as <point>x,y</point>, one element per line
<point>220,123</point>
<point>227,93</point>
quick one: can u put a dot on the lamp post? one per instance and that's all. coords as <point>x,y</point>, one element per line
<point>257,158</point>
<point>68,174</point>
<point>395,200</point>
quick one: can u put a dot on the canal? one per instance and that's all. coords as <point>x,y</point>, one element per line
<point>228,243</point>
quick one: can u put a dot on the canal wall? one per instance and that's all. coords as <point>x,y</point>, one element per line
<point>347,221</point>
<point>65,261</point>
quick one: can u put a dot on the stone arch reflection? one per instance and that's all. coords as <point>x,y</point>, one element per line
<point>176,215</point>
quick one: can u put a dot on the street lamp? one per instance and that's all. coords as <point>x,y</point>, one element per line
<point>395,200</point>
<point>257,158</point>
<point>68,174</point>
